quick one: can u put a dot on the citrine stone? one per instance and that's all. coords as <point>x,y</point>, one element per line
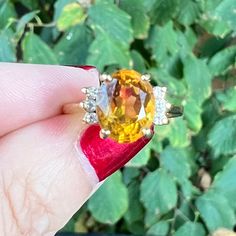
<point>125,106</point>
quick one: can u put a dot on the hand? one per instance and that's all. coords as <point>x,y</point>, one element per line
<point>50,163</point>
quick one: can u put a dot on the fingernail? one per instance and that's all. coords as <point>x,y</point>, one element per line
<point>85,67</point>
<point>105,155</point>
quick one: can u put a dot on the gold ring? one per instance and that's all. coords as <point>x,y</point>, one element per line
<point>126,106</point>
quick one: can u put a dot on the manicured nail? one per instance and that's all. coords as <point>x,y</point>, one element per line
<point>85,67</point>
<point>105,155</point>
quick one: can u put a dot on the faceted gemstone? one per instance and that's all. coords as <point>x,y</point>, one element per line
<point>125,106</point>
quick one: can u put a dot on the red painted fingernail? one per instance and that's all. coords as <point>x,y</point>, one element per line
<point>107,156</point>
<point>85,67</point>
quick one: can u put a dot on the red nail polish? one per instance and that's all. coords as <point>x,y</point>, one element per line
<point>107,156</point>
<point>85,67</point>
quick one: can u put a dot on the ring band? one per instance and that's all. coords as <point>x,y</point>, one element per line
<point>125,106</point>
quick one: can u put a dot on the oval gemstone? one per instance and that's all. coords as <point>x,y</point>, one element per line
<point>125,106</point>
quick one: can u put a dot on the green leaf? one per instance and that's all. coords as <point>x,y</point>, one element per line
<point>130,173</point>
<point>115,22</point>
<point>105,51</point>
<point>135,211</point>
<point>228,99</point>
<point>224,182</point>
<point>72,48</point>
<point>191,229</point>
<point>175,161</point>
<point>222,61</point>
<point>139,19</point>
<point>189,11</point>
<point>159,192</point>
<point>110,202</point>
<point>25,19</point>
<point>220,17</point>
<point>221,137</point>
<point>198,78</point>
<point>59,6</point>
<point>163,42</point>
<point>36,51</point>
<point>159,229</point>
<point>192,114</point>
<point>7,11</point>
<point>8,47</point>
<point>138,61</point>
<point>215,211</point>
<point>71,15</point>
<point>162,11</point>
<point>141,159</point>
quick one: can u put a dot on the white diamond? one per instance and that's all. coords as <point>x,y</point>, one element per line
<point>159,92</point>
<point>90,118</point>
<point>89,105</point>
<point>92,92</point>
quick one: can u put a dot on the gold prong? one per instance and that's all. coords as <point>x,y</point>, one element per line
<point>148,133</point>
<point>168,105</point>
<point>84,90</point>
<point>104,133</point>
<point>146,77</point>
<point>105,77</point>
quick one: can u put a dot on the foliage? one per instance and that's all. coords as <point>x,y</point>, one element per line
<point>187,46</point>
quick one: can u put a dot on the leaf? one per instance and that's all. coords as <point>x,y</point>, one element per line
<point>198,78</point>
<point>189,11</point>
<point>115,22</point>
<point>7,11</point>
<point>222,61</point>
<point>105,51</point>
<point>141,159</point>
<point>36,51</point>
<point>162,11</point>
<point>159,229</point>
<point>224,182</point>
<point>135,211</point>
<point>138,61</point>
<point>190,229</point>
<point>192,114</point>
<point>72,48</point>
<point>25,19</point>
<point>8,47</point>
<point>221,137</point>
<point>220,17</point>
<point>227,99</point>
<point>163,42</point>
<point>110,202</point>
<point>130,173</point>
<point>158,192</point>
<point>59,6</point>
<point>215,211</point>
<point>71,15</point>
<point>139,19</point>
<point>175,161</point>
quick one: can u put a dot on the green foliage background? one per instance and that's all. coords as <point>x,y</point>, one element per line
<point>184,182</point>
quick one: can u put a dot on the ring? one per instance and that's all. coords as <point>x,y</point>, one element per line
<point>126,106</point>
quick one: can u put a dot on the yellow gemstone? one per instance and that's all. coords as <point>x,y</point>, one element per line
<point>125,106</point>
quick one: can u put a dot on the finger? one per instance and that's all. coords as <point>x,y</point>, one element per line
<point>29,93</point>
<point>50,168</point>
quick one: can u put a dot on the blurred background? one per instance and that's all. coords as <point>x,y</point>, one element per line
<point>184,181</point>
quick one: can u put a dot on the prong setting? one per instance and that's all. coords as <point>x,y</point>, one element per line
<point>147,132</point>
<point>105,78</point>
<point>146,77</point>
<point>104,133</point>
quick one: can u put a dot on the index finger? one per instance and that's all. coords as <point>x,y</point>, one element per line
<point>29,93</point>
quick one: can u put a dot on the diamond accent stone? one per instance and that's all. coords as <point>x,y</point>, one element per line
<point>90,118</point>
<point>161,106</point>
<point>89,105</point>
<point>92,93</point>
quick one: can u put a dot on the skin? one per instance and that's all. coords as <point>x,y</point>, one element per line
<point>44,177</point>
